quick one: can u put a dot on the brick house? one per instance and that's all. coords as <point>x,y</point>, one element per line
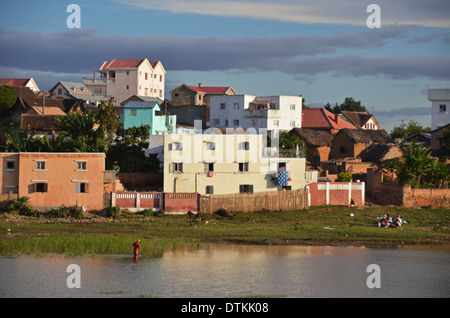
<point>51,180</point>
<point>318,144</point>
<point>362,120</point>
<point>197,95</point>
<point>322,119</point>
<point>350,143</point>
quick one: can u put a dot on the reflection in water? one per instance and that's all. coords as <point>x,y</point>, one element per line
<point>234,271</point>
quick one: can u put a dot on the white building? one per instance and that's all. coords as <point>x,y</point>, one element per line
<point>247,111</point>
<point>122,79</point>
<point>440,107</point>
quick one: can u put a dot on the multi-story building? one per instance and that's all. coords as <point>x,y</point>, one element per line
<point>122,79</point>
<point>51,180</point>
<point>197,95</point>
<point>278,113</point>
<point>440,107</point>
<point>227,164</point>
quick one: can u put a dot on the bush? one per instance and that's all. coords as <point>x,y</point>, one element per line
<point>344,177</point>
<point>21,206</point>
<point>159,213</point>
<point>147,212</point>
<point>113,212</point>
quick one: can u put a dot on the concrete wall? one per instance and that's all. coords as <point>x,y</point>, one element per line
<point>337,193</point>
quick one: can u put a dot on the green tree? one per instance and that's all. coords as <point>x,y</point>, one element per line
<point>349,104</point>
<point>82,133</point>
<point>406,130</point>
<point>127,153</point>
<point>107,118</point>
<point>21,140</point>
<point>7,99</point>
<point>417,168</point>
<point>344,177</point>
<point>446,141</point>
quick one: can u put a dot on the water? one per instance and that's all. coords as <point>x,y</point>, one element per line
<point>224,271</point>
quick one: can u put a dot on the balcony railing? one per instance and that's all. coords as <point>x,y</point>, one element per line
<point>99,80</point>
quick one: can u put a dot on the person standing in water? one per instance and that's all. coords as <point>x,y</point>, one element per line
<point>136,246</point>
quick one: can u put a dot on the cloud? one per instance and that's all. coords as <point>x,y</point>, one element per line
<point>82,51</point>
<point>432,13</point>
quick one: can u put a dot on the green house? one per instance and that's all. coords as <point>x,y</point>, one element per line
<point>138,113</point>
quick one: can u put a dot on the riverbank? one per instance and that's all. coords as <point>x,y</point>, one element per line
<point>96,234</point>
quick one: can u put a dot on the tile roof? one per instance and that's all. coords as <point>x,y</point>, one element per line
<point>129,63</point>
<point>320,118</point>
<point>14,81</point>
<point>358,119</point>
<point>209,89</point>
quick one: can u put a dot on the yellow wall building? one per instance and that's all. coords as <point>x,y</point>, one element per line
<point>227,164</point>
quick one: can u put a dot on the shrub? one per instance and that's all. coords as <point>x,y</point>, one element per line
<point>344,177</point>
<point>21,206</point>
<point>113,212</point>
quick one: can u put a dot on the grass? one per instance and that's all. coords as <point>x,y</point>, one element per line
<point>316,226</point>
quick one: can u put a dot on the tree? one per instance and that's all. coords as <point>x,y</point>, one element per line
<point>20,140</point>
<point>127,153</point>
<point>7,99</point>
<point>107,118</point>
<point>446,141</point>
<point>82,133</point>
<point>406,130</point>
<point>349,104</point>
<point>417,168</point>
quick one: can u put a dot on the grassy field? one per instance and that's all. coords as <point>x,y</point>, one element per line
<point>317,226</point>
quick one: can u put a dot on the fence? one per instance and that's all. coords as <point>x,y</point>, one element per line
<point>337,193</point>
<point>250,202</point>
<point>135,201</point>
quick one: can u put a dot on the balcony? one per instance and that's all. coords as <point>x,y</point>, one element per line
<point>99,81</point>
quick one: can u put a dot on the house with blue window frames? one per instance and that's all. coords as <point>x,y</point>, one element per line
<point>138,113</point>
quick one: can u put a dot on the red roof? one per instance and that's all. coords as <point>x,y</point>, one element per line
<point>320,118</point>
<point>133,63</point>
<point>14,81</point>
<point>209,89</point>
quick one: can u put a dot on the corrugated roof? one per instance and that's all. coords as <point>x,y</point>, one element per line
<point>140,104</point>
<point>320,118</point>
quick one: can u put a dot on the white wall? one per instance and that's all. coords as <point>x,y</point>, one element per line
<point>439,97</point>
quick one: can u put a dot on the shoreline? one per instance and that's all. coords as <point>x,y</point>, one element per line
<point>318,226</point>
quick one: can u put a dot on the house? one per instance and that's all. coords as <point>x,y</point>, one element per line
<point>136,114</point>
<point>437,139</point>
<point>440,104</point>
<point>277,113</point>
<point>138,98</point>
<point>41,125</point>
<point>74,90</point>
<point>318,144</point>
<point>197,95</point>
<point>350,143</point>
<point>122,79</point>
<point>20,82</point>
<point>28,102</point>
<point>420,139</point>
<point>361,120</point>
<point>227,164</point>
<point>51,180</point>
<point>322,119</point>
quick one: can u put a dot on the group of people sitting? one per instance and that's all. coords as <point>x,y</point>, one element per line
<point>387,221</point>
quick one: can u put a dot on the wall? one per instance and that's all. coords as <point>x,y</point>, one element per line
<point>337,193</point>
<point>62,176</point>
<point>438,97</point>
<point>138,201</point>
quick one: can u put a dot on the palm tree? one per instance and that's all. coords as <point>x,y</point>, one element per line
<point>20,140</point>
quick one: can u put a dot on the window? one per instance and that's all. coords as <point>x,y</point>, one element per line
<point>245,145</point>
<point>82,187</point>
<point>226,122</point>
<point>81,165</point>
<point>443,108</point>
<point>209,189</point>
<point>128,87</point>
<point>342,150</point>
<point>222,106</point>
<point>246,188</point>
<point>40,165</point>
<point>236,105</point>
<point>146,76</point>
<point>10,165</point>
<point>276,123</point>
<point>210,166</point>
<point>292,123</point>
<point>132,112</point>
<point>236,122</point>
<point>216,121</point>
<point>128,73</point>
<point>178,167</point>
<point>176,146</point>
<point>41,187</point>
<point>59,91</point>
<point>292,107</point>
<point>160,78</point>
<point>243,166</point>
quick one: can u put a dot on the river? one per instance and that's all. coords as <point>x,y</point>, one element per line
<point>223,271</point>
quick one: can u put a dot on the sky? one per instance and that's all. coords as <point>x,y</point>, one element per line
<point>324,50</point>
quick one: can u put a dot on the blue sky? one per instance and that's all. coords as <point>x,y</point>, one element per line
<point>320,49</point>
